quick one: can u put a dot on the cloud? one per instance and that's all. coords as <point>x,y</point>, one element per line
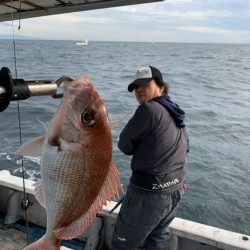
<point>67,18</point>
<point>187,14</point>
<point>191,9</point>
<point>73,18</point>
<point>6,24</point>
<point>178,20</point>
<point>197,14</point>
<point>210,30</point>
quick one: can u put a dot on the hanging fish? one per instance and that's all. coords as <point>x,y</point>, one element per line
<point>78,175</point>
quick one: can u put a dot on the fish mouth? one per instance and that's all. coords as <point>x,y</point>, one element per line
<point>60,144</point>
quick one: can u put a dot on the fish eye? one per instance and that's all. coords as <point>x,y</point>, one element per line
<point>88,118</point>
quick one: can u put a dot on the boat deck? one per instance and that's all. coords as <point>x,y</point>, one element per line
<point>14,237</point>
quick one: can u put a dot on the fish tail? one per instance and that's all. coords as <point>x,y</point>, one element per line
<point>44,244</point>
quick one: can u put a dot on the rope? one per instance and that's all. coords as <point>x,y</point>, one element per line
<point>25,201</point>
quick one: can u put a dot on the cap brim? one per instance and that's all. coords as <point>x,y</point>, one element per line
<point>138,82</point>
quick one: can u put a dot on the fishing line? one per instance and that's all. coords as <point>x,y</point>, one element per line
<point>25,201</point>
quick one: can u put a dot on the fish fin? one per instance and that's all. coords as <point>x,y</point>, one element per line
<point>110,189</point>
<point>45,125</point>
<point>39,192</point>
<point>44,244</point>
<point>118,121</point>
<point>32,147</point>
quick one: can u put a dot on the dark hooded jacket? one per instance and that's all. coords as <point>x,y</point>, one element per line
<point>157,139</point>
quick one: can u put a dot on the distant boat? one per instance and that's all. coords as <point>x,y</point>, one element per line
<point>82,42</point>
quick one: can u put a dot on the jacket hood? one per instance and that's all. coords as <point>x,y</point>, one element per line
<point>174,110</point>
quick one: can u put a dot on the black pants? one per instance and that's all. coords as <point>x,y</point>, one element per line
<point>144,218</point>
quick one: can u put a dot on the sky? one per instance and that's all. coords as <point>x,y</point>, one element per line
<point>213,21</point>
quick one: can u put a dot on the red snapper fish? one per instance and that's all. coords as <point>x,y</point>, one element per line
<point>78,175</point>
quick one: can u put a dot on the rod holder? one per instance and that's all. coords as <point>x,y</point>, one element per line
<point>19,89</point>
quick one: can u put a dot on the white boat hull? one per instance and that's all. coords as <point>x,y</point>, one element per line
<point>82,43</point>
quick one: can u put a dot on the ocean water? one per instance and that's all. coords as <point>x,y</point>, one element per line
<point>211,82</point>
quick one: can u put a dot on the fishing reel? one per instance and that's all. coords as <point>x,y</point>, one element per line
<point>19,89</point>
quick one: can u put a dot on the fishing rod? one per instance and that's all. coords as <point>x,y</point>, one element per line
<point>19,89</point>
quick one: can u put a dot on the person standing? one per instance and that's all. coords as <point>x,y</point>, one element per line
<point>157,139</point>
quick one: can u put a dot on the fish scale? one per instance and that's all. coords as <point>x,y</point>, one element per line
<point>70,175</point>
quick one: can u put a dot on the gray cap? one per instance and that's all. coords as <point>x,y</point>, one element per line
<point>145,75</point>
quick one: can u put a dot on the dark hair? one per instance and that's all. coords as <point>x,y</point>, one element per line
<point>162,83</point>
